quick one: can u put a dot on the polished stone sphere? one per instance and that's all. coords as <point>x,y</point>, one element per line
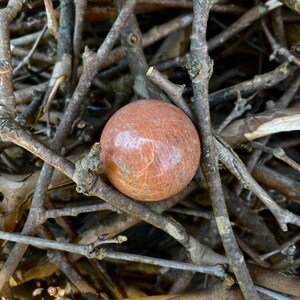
<point>150,150</point>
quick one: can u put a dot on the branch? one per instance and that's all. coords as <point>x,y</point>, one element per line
<point>200,70</point>
<point>90,252</point>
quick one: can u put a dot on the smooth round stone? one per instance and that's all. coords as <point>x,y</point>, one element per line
<point>150,150</point>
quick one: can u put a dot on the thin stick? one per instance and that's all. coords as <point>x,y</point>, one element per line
<point>174,91</point>
<point>200,69</point>
<point>109,254</point>
<point>212,270</point>
<point>27,58</point>
<point>278,153</point>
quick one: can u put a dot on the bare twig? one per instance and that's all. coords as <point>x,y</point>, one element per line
<point>174,91</point>
<point>277,181</point>
<point>200,70</point>
<point>290,92</point>
<point>278,27</point>
<point>216,270</point>
<point>74,211</point>
<point>131,39</point>
<point>278,153</point>
<point>80,9</point>
<point>259,82</point>
<point>277,49</point>
<point>239,108</point>
<point>243,22</point>
<point>284,248</point>
<point>63,65</point>
<point>27,58</point>
<point>90,252</point>
<point>7,100</point>
<point>61,260</point>
<point>155,34</point>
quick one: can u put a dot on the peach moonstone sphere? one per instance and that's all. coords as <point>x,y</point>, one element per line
<point>150,150</point>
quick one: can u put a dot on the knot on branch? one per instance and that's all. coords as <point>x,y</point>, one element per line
<point>86,170</point>
<point>196,66</point>
<point>91,249</point>
<point>133,39</point>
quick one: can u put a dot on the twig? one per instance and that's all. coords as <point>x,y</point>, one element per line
<point>174,91</point>
<point>168,3</point>
<point>26,59</point>
<point>284,248</point>
<point>62,261</point>
<point>251,252</point>
<point>243,22</point>
<point>278,153</point>
<point>36,56</point>
<point>155,34</point>
<point>90,252</point>
<point>278,27</point>
<point>240,107</point>
<point>131,39</point>
<point>277,49</point>
<point>250,220</point>
<point>80,9</point>
<point>7,99</point>
<point>38,242</point>
<point>215,270</point>
<point>280,282</point>
<point>259,82</point>
<point>271,294</point>
<point>277,181</point>
<point>118,223</point>
<point>200,70</point>
<point>28,116</point>
<point>26,40</point>
<point>74,211</point>
<point>63,65</point>
<point>290,92</point>
<point>283,102</point>
<point>194,213</point>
